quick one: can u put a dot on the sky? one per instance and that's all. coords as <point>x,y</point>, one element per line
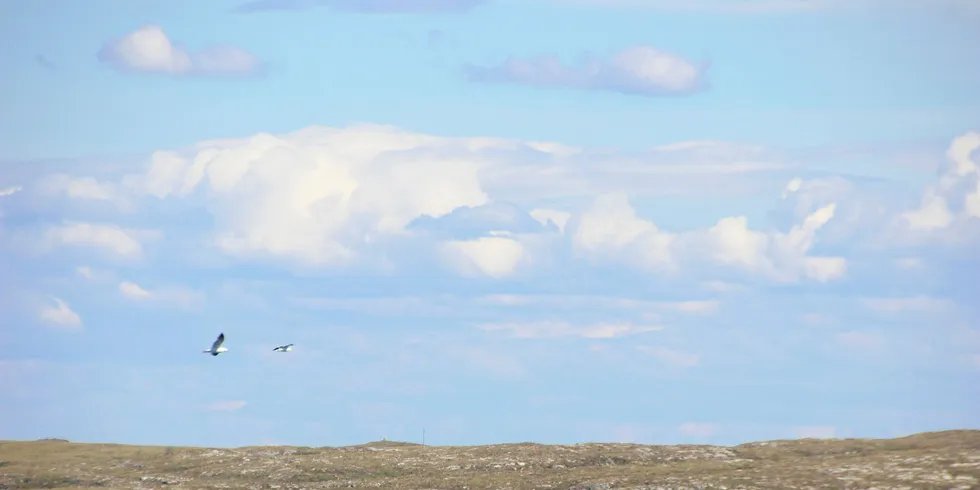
<point>555,221</point>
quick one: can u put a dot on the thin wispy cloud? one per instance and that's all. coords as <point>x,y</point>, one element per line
<point>57,312</point>
<point>180,297</point>
<point>113,239</point>
<point>636,70</point>
<point>553,329</point>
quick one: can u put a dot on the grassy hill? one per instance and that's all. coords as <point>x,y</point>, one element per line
<point>948,460</point>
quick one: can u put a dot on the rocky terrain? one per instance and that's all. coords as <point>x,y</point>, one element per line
<point>947,460</point>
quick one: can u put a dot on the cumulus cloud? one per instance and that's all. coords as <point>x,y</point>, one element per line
<point>476,221</point>
<point>493,256</point>
<point>363,6</point>
<point>59,313</point>
<point>610,229</point>
<point>338,197</point>
<point>556,329</point>
<point>173,296</point>
<point>9,191</point>
<point>319,194</point>
<point>148,49</point>
<point>947,213</point>
<point>332,196</point>
<point>952,205</point>
<point>636,70</point>
<point>551,217</point>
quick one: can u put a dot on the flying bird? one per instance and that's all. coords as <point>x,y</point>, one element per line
<point>284,348</point>
<point>216,346</point>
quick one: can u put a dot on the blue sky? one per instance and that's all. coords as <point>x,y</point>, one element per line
<point>551,220</point>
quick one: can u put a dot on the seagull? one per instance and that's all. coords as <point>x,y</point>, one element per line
<point>216,346</point>
<point>283,348</point>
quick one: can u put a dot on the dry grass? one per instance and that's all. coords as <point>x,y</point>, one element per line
<point>947,460</point>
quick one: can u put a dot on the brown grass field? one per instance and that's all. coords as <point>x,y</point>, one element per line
<point>933,460</point>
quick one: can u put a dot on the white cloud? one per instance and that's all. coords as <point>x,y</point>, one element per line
<point>84,189</point>
<point>133,290</point>
<point>640,70</point>
<point>673,358</point>
<point>80,188</point>
<point>494,256</point>
<point>149,49</point>
<point>958,186</point>
<point>93,274</point>
<point>697,429</point>
<point>816,432</point>
<point>611,229</point>
<point>947,213</point>
<point>319,194</point>
<point>118,241</point>
<point>332,197</point>
<point>8,191</point>
<point>174,296</point>
<point>556,329</point>
<point>59,313</point>
<point>545,216</point>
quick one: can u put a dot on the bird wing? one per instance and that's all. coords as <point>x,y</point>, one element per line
<point>217,343</point>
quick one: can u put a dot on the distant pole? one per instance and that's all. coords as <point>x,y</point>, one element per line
<point>423,436</point>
